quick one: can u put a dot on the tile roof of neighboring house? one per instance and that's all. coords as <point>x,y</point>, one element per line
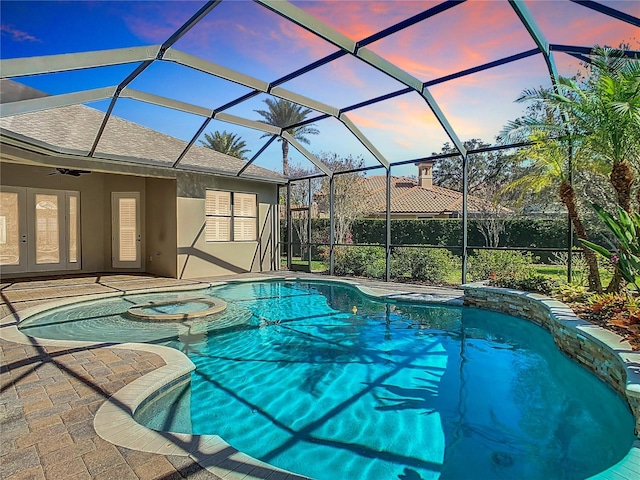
<point>409,198</point>
<point>75,128</point>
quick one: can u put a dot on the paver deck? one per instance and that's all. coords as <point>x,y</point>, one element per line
<point>49,395</point>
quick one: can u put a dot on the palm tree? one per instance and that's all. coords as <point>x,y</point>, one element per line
<point>548,167</point>
<point>227,143</point>
<point>603,113</point>
<point>283,113</point>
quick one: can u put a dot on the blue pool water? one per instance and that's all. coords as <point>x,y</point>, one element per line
<point>290,375</point>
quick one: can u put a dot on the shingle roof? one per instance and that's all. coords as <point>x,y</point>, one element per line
<point>408,197</point>
<point>75,128</point>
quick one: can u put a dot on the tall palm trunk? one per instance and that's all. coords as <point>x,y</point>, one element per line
<point>622,180</point>
<point>567,195</point>
<point>285,157</point>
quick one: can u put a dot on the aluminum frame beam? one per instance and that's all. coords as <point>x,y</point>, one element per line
<point>611,12</point>
<point>166,102</point>
<point>55,101</point>
<point>363,139</point>
<point>21,67</point>
<point>309,22</point>
<point>253,159</point>
<point>313,25</point>
<point>525,16</point>
<point>188,25</point>
<point>191,61</point>
<point>311,157</point>
<point>243,122</point>
<point>304,101</point>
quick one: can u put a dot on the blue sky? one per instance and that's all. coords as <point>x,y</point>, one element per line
<point>246,37</point>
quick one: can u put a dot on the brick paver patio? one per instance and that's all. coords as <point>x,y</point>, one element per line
<point>48,396</point>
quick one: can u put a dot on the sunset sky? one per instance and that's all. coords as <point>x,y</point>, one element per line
<point>249,38</point>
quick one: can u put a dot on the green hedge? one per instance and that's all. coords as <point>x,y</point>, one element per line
<point>436,231</point>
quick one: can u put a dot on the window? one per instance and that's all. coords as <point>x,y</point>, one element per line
<point>231,216</point>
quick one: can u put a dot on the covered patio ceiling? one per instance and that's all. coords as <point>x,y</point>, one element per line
<point>390,81</point>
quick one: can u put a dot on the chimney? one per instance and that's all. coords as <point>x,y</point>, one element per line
<point>425,175</point>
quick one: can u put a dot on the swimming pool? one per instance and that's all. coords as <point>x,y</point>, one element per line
<point>293,375</point>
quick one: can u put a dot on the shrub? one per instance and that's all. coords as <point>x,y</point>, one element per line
<point>426,264</point>
<point>360,261</point>
<point>532,283</point>
<point>499,264</point>
<point>571,293</point>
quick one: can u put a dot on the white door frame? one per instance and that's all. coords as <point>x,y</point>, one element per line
<point>116,261</point>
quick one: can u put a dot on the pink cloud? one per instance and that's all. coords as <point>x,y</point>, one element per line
<point>17,35</point>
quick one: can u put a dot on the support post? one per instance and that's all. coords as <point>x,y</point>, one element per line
<point>289,230</point>
<point>387,276</point>
<point>309,227</point>
<point>570,225</point>
<point>465,239</point>
<point>332,226</point>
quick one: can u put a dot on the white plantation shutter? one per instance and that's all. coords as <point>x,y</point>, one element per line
<point>218,229</point>
<point>219,216</point>
<point>218,203</point>
<point>73,227</point>
<point>244,216</point>
<point>244,229</point>
<point>244,205</point>
<point>128,230</point>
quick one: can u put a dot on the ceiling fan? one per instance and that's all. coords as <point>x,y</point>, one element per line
<point>69,171</point>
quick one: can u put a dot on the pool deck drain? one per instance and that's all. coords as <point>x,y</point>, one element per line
<point>59,399</point>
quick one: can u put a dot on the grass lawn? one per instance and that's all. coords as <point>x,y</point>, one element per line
<point>559,274</point>
<point>316,265</point>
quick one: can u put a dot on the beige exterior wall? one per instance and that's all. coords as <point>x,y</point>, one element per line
<point>172,219</point>
<point>161,227</point>
<point>198,258</point>
<point>95,207</point>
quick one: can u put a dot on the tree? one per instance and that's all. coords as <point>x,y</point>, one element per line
<point>302,213</point>
<point>350,199</point>
<point>550,164</point>
<point>225,142</point>
<point>598,113</point>
<point>489,173</point>
<point>283,113</point>
<point>602,112</point>
<point>487,168</point>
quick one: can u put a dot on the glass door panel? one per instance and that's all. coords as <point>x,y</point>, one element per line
<point>73,230</point>
<point>13,235</point>
<point>47,218</point>
<point>39,230</point>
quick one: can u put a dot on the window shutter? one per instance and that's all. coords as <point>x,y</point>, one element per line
<point>245,205</point>
<point>128,230</point>
<point>218,229</point>
<point>218,203</point>
<point>244,229</point>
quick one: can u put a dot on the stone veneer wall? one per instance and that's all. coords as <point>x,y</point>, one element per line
<point>591,345</point>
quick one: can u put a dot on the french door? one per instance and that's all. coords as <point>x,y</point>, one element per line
<point>125,228</point>
<point>39,230</point>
